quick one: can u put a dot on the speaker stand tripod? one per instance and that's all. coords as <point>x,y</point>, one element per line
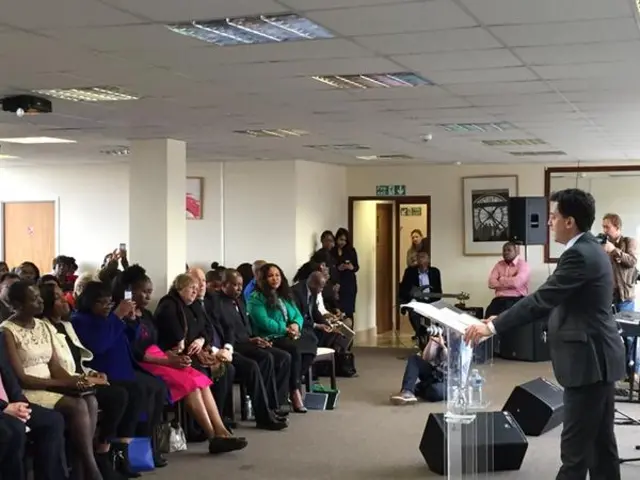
<point>629,460</point>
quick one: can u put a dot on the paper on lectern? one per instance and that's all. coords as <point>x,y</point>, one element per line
<point>458,322</point>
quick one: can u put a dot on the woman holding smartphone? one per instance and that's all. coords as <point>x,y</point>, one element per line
<point>346,259</point>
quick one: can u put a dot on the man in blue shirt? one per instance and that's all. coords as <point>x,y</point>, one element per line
<point>251,286</point>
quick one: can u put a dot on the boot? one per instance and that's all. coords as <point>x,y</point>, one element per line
<point>121,460</point>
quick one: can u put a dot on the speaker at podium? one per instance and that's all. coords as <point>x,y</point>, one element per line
<point>493,442</point>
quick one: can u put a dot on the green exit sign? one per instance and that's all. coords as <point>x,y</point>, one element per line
<point>391,190</point>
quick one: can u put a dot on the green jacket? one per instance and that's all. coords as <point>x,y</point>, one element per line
<point>269,322</point>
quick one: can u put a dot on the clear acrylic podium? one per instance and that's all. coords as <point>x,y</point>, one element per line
<point>469,436</point>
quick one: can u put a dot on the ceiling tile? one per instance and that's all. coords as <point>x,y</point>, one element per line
<point>433,41</point>
<point>506,100</point>
<point>184,10</point>
<point>464,60</point>
<point>590,70</point>
<point>513,74</point>
<point>402,18</point>
<point>499,88</point>
<point>306,5</point>
<point>586,53</point>
<point>39,15</point>
<point>611,30</point>
<point>505,12</point>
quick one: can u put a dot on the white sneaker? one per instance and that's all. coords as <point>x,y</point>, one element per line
<point>403,398</point>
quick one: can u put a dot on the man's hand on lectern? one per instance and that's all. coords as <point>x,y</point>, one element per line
<point>490,319</point>
<point>474,333</point>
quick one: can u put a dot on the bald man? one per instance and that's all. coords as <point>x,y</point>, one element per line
<point>251,286</point>
<point>223,387</point>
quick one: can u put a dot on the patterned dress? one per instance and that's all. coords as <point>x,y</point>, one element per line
<point>35,349</point>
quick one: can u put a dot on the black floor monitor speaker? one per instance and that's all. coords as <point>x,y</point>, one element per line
<point>537,406</point>
<point>528,220</point>
<point>493,442</point>
<point>528,343</point>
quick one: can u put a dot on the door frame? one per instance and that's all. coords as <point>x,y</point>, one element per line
<point>56,219</point>
<point>390,308</point>
<point>426,199</point>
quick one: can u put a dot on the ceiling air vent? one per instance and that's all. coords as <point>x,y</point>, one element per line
<point>549,153</point>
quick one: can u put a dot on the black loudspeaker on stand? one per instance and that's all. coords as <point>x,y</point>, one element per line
<point>528,220</point>
<point>493,442</point>
<point>537,406</point>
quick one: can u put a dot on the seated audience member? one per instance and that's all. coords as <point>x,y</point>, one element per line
<point>119,413</point>
<point>64,271</point>
<point>78,288</point>
<point>316,330</point>
<point>48,279</point>
<point>257,370</point>
<point>30,349</point>
<point>251,286</point>
<point>183,381</point>
<point>28,271</point>
<point>223,386</point>
<point>104,332</point>
<point>214,280</point>
<point>423,277</point>
<point>275,318</point>
<point>111,266</point>
<point>246,272</point>
<point>6,280</point>
<point>46,432</point>
<point>424,375</point>
<point>4,267</point>
<point>510,280</point>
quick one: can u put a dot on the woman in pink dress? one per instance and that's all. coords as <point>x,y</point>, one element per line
<point>183,381</point>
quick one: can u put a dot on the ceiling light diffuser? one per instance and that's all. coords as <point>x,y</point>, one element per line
<point>477,127</point>
<point>385,157</point>
<point>252,30</point>
<point>117,151</point>
<point>89,94</point>
<point>7,157</point>
<point>374,80</point>
<point>36,140</point>
<point>340,146</point>
<point>553,153</point>
<point>517,142</point>
<point>274,132</point>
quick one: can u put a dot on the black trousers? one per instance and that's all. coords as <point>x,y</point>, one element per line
<point>275,370</point>
<point>121,404</point>
<point>588,442</point>
<point>222,390</point>
<point>300,362</point>
<point>154,393</point>
<point>248,371</point>
<point>47,433</point>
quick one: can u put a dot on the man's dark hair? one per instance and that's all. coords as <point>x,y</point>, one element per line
<point>93,291</point>
<point>214,276</point>
<point>578,204</point>
<point>9,276</point>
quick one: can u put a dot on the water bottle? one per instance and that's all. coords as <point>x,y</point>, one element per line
<point>249,408</point>
<point>475,389</point>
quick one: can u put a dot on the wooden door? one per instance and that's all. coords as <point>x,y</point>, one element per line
<point>384,267</point>
<point>29,233</point>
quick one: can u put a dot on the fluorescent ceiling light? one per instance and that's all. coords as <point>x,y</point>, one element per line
<point>477,127</point>
<point>550,153</point>
<point>340,146</point>
<point>117,151</point>
<point>89,94</point>
<point>274,132</point>
<point>7,157</point>
<point>36,140</point>
<point>252,30</point>
<point>374,80</point>
<point>385,157</point>
<point>517,142</point>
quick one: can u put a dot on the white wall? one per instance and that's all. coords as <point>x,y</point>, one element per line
<point>321,204</point>
<point>444,184</point>
<point>364,238</point>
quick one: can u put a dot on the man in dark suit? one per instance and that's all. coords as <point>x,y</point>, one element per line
<point>423,277</point>
<point>46,430</point>
<point>254,360</point>
<point>587,352</point>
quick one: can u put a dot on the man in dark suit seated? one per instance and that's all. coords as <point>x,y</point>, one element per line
<point>260,367</point>
<point>423,277</point>
<point>46,430</point>
<point>587,353</point>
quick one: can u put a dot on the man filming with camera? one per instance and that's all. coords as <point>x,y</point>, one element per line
<point>622,253</point>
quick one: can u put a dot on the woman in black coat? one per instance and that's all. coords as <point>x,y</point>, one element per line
<point>346,260</point>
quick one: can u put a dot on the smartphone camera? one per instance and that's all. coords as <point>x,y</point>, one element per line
<point>128,295</point>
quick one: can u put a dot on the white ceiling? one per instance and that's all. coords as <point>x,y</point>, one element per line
<point>564,71</point>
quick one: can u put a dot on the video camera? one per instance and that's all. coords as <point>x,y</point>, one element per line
<point>602,238</point>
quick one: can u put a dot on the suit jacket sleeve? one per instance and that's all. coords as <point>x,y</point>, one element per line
<point>10,382</point>
<point>406,285</point>
<point>569,276</point>
<point>294,314</point>
<point>435,279</point>
<point>217,315</point>
<point>354,260</point>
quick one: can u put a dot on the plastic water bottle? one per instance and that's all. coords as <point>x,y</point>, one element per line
<point>249,408</point>
<point>475,389</point>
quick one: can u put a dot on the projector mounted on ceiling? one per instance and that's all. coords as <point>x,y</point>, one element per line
<point>26,105</point>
